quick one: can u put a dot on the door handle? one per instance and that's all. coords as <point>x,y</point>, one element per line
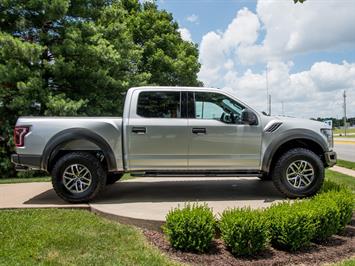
<point>199,130</point>
<point>139,130</point>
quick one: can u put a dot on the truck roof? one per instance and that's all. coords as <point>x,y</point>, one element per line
<point>175,88</point>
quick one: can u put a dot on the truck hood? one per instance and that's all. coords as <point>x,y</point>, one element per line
<point>301,122</point>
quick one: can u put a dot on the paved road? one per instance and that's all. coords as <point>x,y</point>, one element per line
<point>345,151</point>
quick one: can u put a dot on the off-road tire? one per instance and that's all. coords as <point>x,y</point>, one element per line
<point>113,178</point>
<point>98,175</point>
<point>279,173</point>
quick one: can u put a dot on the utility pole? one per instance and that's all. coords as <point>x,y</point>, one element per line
<point>344,105</point>
<point>268,96</point>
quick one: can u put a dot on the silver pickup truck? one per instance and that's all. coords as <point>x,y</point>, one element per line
<point>175,131</point>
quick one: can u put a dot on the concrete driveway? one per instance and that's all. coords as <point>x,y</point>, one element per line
<point>146,201</point>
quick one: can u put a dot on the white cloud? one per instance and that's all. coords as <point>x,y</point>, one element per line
<point>192,18</point>
<point>275,34</point>
<point>292,29</point>
<point>185,34</point>
<point>309,93</point>
<point>219,47</point>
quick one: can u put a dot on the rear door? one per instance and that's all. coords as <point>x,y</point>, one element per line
<point>217,139</point>
<point>157,133</point>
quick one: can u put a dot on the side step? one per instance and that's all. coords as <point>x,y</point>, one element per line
<point>211,173</point>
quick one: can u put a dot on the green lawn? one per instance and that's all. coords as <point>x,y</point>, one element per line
<point>348,262</point>
<point>341,131</point>
<point>341,179</point>
<point>24,180</point>
<point>350,137</point>
<point>71,237</point>
<point>346,164</point>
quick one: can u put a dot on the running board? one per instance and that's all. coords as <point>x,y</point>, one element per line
<point>198,173</point>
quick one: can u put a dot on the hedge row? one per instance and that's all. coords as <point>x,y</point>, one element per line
<point>287,225</point>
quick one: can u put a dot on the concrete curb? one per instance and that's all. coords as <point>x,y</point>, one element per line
<point>343,170</point>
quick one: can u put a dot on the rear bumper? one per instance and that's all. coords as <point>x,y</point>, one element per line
<point>25,162</point>
<point>330,158</point>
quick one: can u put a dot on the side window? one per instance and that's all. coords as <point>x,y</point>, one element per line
<point>210,105</point>
<point>159,104</point>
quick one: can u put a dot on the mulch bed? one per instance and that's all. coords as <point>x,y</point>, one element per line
<point>336,248</point>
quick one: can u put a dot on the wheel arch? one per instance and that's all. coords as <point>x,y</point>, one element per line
<point>56,144</point>
<point>301,140</point>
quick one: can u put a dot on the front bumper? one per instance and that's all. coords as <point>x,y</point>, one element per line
<point>330,158</point>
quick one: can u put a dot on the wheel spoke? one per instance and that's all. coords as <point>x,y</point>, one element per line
<point>77,178</point>
<point>300,174</point>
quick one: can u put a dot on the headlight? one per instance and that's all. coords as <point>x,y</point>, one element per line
<point>328,133</point>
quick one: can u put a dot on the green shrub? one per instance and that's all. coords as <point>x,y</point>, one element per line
<point>325,214</point>
<point>344,199</point>
<point>291,225</point>
<point>191,228</point>
<point>244,231</point>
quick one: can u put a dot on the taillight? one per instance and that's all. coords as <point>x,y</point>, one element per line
<point>19,135</point>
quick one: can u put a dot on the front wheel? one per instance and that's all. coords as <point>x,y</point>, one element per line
<point>298,173</point>
<point>78,177</point>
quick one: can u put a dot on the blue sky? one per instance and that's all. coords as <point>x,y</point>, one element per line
<point>309,50</point>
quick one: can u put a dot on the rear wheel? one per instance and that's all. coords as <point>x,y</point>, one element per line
<point>298,173</point>
<point>78,177</point>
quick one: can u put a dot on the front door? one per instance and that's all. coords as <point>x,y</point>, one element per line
<point>217,138</point>
<point>157,132</point>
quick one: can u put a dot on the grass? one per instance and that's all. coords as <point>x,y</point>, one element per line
<point>24,180</point>
<point>71,237</point>
<point>350,137</point>
<point>347,262</point>
<point>341,131</point>
<point>346,164</point>
<point>341,179</point>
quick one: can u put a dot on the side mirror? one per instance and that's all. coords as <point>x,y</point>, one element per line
<point>249,117</point>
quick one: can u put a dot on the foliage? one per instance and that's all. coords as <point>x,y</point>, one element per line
<point>344,199</point>
<point>325,214</point>
<point>190,228</point>
<point>71,237</point>
<point>244,231</point>
<point>291,225</point>
<point>79,57</point>
<point>58,105</point>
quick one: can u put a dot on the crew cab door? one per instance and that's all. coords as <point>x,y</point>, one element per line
<point>217,138</point>
<point>157,132</point>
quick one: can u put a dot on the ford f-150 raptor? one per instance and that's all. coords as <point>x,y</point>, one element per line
<point>175,131</point>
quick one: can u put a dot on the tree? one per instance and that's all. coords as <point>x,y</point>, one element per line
<point>62,57</point>
<point>169,59</point>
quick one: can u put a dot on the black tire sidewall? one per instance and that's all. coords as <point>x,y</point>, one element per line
<point>283,164</point>
<point>89,161</point>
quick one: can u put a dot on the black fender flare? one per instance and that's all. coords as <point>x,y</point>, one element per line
<point>293,134</point>
<point>52,147</point>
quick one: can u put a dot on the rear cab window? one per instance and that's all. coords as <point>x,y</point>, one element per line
<point>159,104</point>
